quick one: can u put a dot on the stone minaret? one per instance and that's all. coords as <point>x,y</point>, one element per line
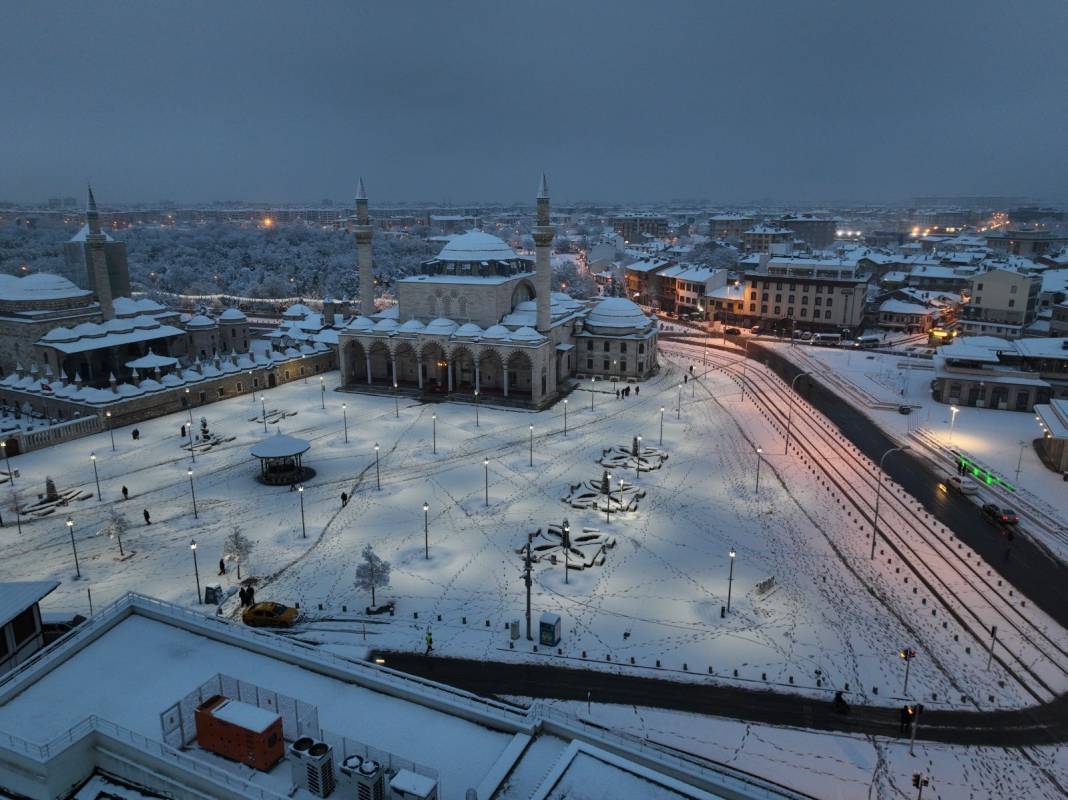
<point>364,232</point>
<point>543,270</point>
<point>95,242</point>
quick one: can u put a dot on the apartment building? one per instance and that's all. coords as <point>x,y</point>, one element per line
<point>1003,303</point>
<point>806,293</point>
<point>636,227</point>
<point>762,238</point>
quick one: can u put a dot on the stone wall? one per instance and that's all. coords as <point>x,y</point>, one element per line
<point>427,299</point>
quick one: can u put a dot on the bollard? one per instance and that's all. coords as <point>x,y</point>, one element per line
<point>415,615</point>
<point>465,620</point>
<point>608,657</point>
<point>658,663</point>
<point>875,690</point>
<point>439,617</point>
<point>735,673</point>
<point>763,676</point>
<point>583,653</point>
<point>487,623</point>
<point>320,606</point>
<point>684,667</point>
<point>632,659</point>
<point>535,648</point>
<point>511,645</point>
<point>344,609</point>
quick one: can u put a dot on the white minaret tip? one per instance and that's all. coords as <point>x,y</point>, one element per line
<point>361,192</point>
<point>543,189</point>
<point>92,200</point>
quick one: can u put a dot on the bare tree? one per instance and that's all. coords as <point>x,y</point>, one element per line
<point>237,548</point>
<point>373,573</point>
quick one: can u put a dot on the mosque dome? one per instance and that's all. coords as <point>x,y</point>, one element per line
<point>617,313</point>
<point>476,246</point>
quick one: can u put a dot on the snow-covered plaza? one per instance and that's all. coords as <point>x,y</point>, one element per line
<point>801,585</point>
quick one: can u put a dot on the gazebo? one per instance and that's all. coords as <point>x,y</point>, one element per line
<point>280,460</point>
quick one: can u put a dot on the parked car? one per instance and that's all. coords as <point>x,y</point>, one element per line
<point>962,485</point>
<point>1006,516</point>
<point>270,615</point>
<point>732,332</point>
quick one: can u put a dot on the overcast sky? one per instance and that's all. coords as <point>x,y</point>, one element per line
<point>457,101</point>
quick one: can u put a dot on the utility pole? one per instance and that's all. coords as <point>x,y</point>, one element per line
<point>434,420</point>
<point>907,654</point>
<point>916,711</point>
<point>526,576</point>
<point>993,641</point>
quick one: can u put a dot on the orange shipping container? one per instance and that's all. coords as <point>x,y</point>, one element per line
<point>240,731</point>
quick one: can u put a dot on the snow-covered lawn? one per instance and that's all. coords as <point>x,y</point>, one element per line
<point>801,612</point>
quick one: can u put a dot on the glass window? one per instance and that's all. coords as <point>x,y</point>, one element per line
<point>24,626</point>
<point>826,314</point>
<point>622,347</point>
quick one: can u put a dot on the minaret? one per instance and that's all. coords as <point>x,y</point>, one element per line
<point>543,270</point>
<point>364,232</point>
<point>98,260</point>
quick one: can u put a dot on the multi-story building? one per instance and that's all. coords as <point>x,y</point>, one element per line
<point>817,232</point>
<point>729,226</point>
<point>643,282</point>
<point>993,372</point>
<point>1003,303</point>
<point>806,293</point>
<point>1026,241</point>
<point>726,303</point>
<point>763,238</point>
<point>636,227</point>
<point>683,288</point>
<point>1058,324</point>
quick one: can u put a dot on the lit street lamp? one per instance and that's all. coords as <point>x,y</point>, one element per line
<point>378,474</point>
<point>760,458</point>
<point>565,416</point>
<point>906,654</point>
<point>193,492</point>
<point>952,420</point>
<point>608,503</point>
<point>111,431</point>
<point>790,413</point>
<point>426,529</point>
<point>593,386</point>
<point>196,569</point>
<point>396,401</point>
<point>74,547</point>
<point>620,495</point>
<point>878,493</point>
<point>189,407</point>
<point>263,405</point>
<point>96,477</point>
<point>638,460</point>
<point>476,408</point>
<point>345,419</point>
<point>303,526</point>
<point>661,425</point>
<point>251,394</point>
<point>730,579</point>
<point>7,460</point>
<point>322,392</point>
<point>485,463</point>
<point>434,421</point>
<point>532,445</point>
<point>567,546</point>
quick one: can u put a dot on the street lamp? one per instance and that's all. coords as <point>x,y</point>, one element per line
<point>906,654</point>
<point>263,405</point>
<point>476,408</point>
<point>196,569</point>
<point>96,476</point>
<point>396,401</point>
<point>251,393</point>
<point>730,579</point>
<point>532,445</point>
<point>878,493</point>
<point>567,545</point>
<point>322,392</point>
<point>378,474</point>
<point>760,458</point>
<point>485,463</point>
<point>952,420</point>
<point>593,386</point>
<point>434,421</point>
<point>608,502</point>
<point>189,407</point>
<point>193,492</point>
<point>638,459</point>
<point>74,547</point>
<point>790,413</point>
<point>426,529</point>
<point>620,495</point>
<point>7,459</point>
<point>345,419</point>
<point>565,416</point>
<point>1019,461</point>
<point>303,526</point>
<point>678,405</point>
<point>661,425</point>
<point>111,431</point>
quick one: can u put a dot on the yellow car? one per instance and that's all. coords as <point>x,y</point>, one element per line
<point>270,615</point>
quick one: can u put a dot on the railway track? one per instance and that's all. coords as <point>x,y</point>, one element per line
<point>970,593</point>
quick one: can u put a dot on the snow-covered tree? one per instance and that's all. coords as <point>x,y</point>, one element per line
<point>237,548</point>
<point>373,573</point>
<point>115,528</point>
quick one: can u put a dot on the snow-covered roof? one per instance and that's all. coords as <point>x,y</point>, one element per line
<point>647,265</point>
<point>132,306</point>
<point>476,246</point>
<point>112,333</point>
<point>361,323</point>
<point>39,286</point>
<point>526,334</point>
<point>17,596</point>
<point>280,446</point>
<point>151,361</point>
<point>297,311</point>
<point>441,326</point>
<point>1047,347</point>
<point>232,315</point>
<point>245,715</point>
<point>468,330</point>
<point>893,306</point>
<point>200,321</point>
<point>411,326</point>
<point>496,332</point>
<point>617,312</point>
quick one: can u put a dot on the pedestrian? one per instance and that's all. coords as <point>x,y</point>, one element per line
<point>125,493</point>
<point>617,394</point>
<point>136,434</point>
<point>685,378</point>
<point>148,519</point>
<point>906,718</point>
<point>243,595</point>
<point>429,642</point>
<point>251,596</point>
<point>182,434</point>
<point>637,390</point>
<point>222,567</point>
<point>691,369</point>
<point>344,499</point>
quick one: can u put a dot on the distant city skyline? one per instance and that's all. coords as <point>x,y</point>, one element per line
<point>774,102</point>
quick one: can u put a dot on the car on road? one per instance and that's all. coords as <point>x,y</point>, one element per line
<point>270,615</point>
<point>1006,516</point>
<point>961,484</point>
<point>732,332</point>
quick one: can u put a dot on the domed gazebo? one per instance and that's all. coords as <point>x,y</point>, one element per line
<point>280,460</point>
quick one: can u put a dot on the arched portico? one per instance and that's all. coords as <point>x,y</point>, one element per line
<point>407,361</point>
<point>519,379</point>
<point>464,369</point>
<point>491,372</point>
<point>435,364</point>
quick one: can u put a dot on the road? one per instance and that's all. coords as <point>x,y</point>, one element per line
<point>1042,725</point>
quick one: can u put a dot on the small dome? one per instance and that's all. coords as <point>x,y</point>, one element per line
<point>200,321</point>
<point>411,326</point>
<point>297,311</point>
<point>617,313</point>
<point>526,334</point>
<point>60,335</point>
<point>361,323</point>
<point>441,326</point>
<point>476,246</point>
<point>232,315</point>
<point>469,330</point>
<point>119,325</point>
<point>496,332</point>
<point>386,325</point>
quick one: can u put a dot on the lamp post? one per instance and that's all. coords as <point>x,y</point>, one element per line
<point>263,405</point>
<point>251,393</point>
<point>396,401</point>
<point>345,420</point>
<point>678,404</point>
<point>7,461</point>
<point>638,460</point>
<point>189,407</point>
<point>760,458</point>
<point>878,493</point>
<point>303,526</point>
<point>96,476</point>
<point>193,493</point>
<point>1019,461</point>
<point>620,495</point>
<point>565,416</point>
<point>532,445</point>
<point>593,386</point>
<point>608,503</point>
<point>434,422</point>
<point>426,529</point>
<point>378,473</point>
<point>790,412</point>
<point>661,425</point>
<point>196,569</point>
<point>322,392</point>
<point>730,580</point>
<point>74,547</point>
<point>111,431</point>
<point>476,408</point>
<point>567,546</point>
<point>952,419</point>
<point>485,463</point>
<point>906,654</point>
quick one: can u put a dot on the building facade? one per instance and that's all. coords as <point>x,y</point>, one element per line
<point>805,294</point>
<point>1003,303</point>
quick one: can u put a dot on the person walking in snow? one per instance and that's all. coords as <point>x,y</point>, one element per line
<point>136,434</point>
<point>637,390</point>
<point>429,642</point>
<point>222,567</point>
<point>344,499</point>
<point>182,433</point>
<point>125,493</point>
<point>243,596</point>
<point>251,596</point>
<point>148,518</point>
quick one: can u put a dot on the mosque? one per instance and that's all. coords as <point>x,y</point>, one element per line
<point>481,320</point>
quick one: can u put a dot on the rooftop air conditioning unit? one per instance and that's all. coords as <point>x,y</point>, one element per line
<point>312,766</point>
<point>362,779</point>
